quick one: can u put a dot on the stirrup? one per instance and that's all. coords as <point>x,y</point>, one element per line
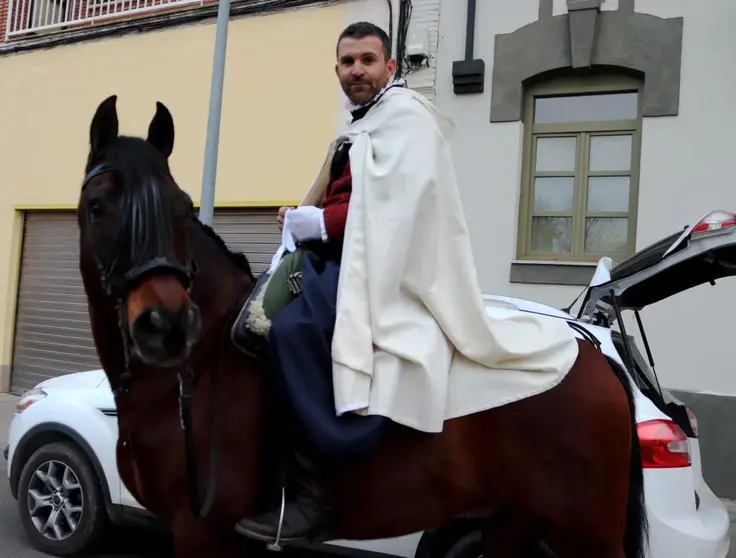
<point>275,546</point>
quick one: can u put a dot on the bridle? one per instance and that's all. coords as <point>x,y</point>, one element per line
<point>184,272</point>
<point>117,291</point>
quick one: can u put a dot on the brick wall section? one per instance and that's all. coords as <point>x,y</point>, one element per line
<point>81,9</point>
<point>3,18</point>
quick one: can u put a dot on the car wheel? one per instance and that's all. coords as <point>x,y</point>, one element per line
<point>60,501</point>
<point>471,546</point>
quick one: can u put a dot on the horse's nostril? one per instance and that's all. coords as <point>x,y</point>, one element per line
<point>160,333</point>
<point>151,323</point>
<point>157,320</point>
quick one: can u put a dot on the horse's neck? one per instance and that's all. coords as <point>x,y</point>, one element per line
<point>219,287</point>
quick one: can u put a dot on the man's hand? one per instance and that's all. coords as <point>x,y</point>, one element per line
<point>306,223</point>
<point>282,213</point>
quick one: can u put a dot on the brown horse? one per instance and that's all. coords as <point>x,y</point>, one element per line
<point>562,467</point>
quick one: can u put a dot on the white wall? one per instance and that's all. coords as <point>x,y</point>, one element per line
<point>688,167</point>
<point>425,13</point>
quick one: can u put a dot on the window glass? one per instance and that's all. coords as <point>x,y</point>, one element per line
<point>585,108</point>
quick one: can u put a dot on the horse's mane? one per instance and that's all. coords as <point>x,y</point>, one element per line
<point>238,258</point>
<point>138,160</point>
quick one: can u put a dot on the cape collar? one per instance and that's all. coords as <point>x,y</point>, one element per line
<point>359,111</point>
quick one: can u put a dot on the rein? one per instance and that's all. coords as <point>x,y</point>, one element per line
<point>185,375</point>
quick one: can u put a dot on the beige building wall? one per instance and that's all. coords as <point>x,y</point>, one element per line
<point>278,116</point>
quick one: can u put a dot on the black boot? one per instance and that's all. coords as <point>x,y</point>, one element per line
<point>306,515</point>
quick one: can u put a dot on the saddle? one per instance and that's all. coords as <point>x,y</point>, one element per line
<point>271,293</point>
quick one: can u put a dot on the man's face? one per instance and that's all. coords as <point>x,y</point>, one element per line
<point>362,68</point>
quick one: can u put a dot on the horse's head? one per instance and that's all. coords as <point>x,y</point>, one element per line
<point>134,222</point>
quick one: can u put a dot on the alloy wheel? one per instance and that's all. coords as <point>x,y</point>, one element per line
<point>55,500</point>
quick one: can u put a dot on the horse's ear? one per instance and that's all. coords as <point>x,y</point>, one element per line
<point>161,130</point>
<point>104,128</point>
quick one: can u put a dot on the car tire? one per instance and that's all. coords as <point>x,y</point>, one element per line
<point>471,546</point>
<point>59,479</point>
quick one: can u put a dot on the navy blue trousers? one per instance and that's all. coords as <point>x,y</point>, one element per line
<point>300,349</point>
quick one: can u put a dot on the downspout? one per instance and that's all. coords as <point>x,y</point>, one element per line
<point>468,75</point>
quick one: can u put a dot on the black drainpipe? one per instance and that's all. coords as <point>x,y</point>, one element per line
<point>391,21</point>
<point>402,30</point>
<point>468,75</point>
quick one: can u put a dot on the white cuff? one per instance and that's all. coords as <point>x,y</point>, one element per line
<point>322,227</point>
<point>276,260</point>
<point>287,238</point>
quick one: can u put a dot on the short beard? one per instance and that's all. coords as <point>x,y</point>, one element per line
<point>370,94</point>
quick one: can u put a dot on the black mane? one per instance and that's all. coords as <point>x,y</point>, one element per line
<point>238,258</point>
<point>138,163</point>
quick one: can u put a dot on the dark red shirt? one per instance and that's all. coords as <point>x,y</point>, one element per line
<point>336,202</point>
<point>337,196</point>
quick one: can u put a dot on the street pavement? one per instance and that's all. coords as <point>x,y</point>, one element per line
<point>121,543</point>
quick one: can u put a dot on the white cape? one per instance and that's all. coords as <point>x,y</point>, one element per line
<point>412,339</point>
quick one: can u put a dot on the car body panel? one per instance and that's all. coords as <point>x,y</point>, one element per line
<point>78,410</point>
<point>704,532</point>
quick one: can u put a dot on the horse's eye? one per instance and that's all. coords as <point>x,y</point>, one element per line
<point>94,207</point>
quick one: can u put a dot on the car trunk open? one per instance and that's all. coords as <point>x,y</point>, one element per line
<point>702,253</point>
<point>650,276</point>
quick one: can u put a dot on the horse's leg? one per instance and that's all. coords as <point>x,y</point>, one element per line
<point>507,535</point>
<point>200,539</point>
<point>574,547</point>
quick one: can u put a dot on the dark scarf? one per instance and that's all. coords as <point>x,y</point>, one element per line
<point>343,151</point>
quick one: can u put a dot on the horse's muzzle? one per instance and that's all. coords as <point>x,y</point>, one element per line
<point>163,337</point>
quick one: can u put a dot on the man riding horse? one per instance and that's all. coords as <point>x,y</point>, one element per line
<point>370,312</point>
<point>365,69</point>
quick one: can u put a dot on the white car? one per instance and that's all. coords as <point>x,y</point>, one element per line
<point>61,453</point>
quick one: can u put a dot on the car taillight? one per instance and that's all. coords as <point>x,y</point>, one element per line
<point>693,421</point>
<point>715,221</point>
<point>663,445</point>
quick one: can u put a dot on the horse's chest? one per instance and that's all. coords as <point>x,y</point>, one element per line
<point>149,471</point>
<point>131,472</point>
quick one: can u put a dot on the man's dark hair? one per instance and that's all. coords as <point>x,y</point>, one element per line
<point>363,29</point>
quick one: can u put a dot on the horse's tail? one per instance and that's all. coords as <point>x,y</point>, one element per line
<point>636,536</point>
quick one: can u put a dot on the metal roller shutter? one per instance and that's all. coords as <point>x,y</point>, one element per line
<point>52,331</point>
<point>253,231</point>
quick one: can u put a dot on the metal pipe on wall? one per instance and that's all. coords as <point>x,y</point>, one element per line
<point>209,172</point>
<point>470,30</point>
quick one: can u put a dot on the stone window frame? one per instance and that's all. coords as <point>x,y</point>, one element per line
<point>585,38</point>
<point>566,86</point>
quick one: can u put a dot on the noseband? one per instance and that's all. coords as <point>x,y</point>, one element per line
<point>159,264</point>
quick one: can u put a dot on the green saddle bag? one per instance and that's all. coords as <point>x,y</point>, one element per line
<point>271,294</point>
